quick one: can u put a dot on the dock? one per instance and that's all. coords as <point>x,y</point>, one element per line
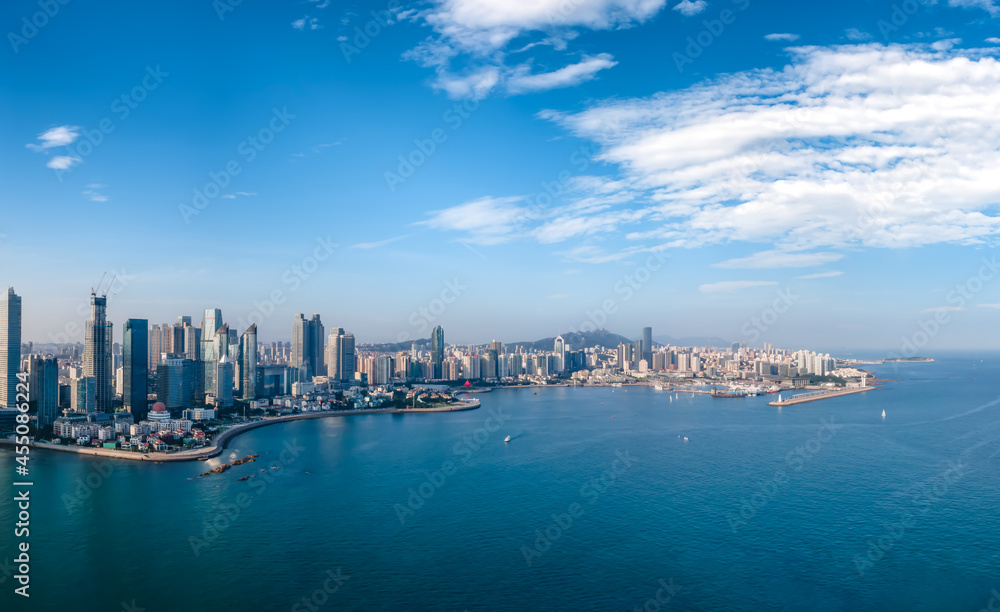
<point>819,395</point>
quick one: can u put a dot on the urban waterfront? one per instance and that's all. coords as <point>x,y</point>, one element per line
<point>603,498</point>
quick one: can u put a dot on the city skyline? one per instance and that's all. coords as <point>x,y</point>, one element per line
<point>542,181</point>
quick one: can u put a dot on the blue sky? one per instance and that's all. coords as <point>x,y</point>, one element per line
<point>841,153</point>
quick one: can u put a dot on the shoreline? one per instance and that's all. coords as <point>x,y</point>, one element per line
<point>222,440</point>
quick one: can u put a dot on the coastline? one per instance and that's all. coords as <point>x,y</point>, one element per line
<point>820,396</point>
<point>222,440</point>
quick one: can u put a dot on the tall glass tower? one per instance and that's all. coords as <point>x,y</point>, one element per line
<point>307,346</point>
<point>437,351</point>
<point>97,352</point>
<point>135,358</point>
<point>647,345</point>
<point>10,347</point>
<point>340,355</point>
<point>248,363</point>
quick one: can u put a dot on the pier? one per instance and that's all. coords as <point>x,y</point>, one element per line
<point>819,395</point>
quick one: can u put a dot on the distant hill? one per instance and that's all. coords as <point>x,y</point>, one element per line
<point>576,341</point>
<point>692,341</point>
<point>395,347</point>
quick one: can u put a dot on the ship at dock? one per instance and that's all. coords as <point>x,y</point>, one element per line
<point>728,393</point>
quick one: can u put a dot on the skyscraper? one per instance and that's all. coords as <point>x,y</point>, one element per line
<point>437,351</point>
<point>10,347</point>
<point>135,357</point>
<point>248,363</point>
<point>560,350</point>
<point>97,352</point>
<point>209,328</point>
<point>155,345</point>
<point>647,345</point>
<point>340,355</point>
<point>307,346</point>
<point>43,381</point>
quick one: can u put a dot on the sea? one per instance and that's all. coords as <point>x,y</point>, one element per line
<point>603,499</point>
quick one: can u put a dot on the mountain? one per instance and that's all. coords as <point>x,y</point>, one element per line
<point>395,347</point>
<point>576,341</point>
<point>714,341</point>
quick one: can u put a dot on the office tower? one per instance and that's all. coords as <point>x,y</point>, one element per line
<point>340,356</point>
<point>177,339</point>
<point>647,345</point>
<point>307,346</point>
<point>43,381</point>
<point>135,357</point>
<point>209,328</point>
<point>560,350</point>
<point>224,382</point>
<point>175,382</point>
<point>83,391</point>
<point>10,347</point>
<point>155,347</point>
<point>248,363</point>
<point>437,351</point>
<point>192,342</point>
<point>97,352</point>
<point>624,356</point>
<point>184,321</point>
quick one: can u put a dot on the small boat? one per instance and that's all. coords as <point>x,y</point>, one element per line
<point>507,439</point>
<point>883,414</point>
<point>685,438</point>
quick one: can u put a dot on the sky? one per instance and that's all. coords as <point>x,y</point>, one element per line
<point>819,175</point>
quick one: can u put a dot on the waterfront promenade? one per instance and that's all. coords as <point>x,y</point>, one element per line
<point>221,440</point>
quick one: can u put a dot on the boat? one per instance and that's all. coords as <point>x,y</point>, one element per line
<point>658,387</point>
<point>507,439</point>
<point>883,414</point>
<point>727,394</point>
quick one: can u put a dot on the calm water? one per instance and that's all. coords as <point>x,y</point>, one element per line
<point>806,540</point>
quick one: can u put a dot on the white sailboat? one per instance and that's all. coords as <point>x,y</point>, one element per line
<point>507,439</point>
<point>883,414</point>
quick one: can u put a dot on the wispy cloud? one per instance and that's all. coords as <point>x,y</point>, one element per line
<point>993,40</point>
<point>731,286</point>
<point>990,6</point>
<point>487,220</point>
<point>784,36</point>
<point>55,137</point>
<point>829,274</point>
<point>306,23</point>
<point>780,259</point>
<point>233,196</point>
<point>989,305</point>
<point>63,162</point>
<point>944,309</point>
<point>470,48</point>
<point>92,193</point>
<point>380,243</point>
<point>857,35</point>
<point>689,8</point>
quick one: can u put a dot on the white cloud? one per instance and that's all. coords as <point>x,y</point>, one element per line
<point>63,162</point>
<point>993,40</point>
<point>380,243</point>
<point>944,309</point>
<point>689,8</point>
<point>55,137</point>
<point>997,306</point>
<point>484,221</point>
<point>782,36</point>
<point>857,35</point>
<point>93,194</point>
<point>830,274</point>
<point>860,145</point>
<point>780,259</point>
<point>990,6</point>
<point>307,23</point>
<point>566,76</point>
<point>730,286</point>
<point>233,196</point>
<point>468,49</point>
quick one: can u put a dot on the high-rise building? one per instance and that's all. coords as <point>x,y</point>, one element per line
<point>307,346</point>
<point>647,345</point>
<point>192,342</point>
<point>175,382</point>
<point>10,347</point>
<point>43,381</point>
<point>560,351</point>
<point>437,351</point>
<point>155,345</point>
<point>135,375</point>
<point>247,383</point>
<point>97,361</point>
<point>224,382</point>
<point>340,356</point>
<point>210,326</point>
